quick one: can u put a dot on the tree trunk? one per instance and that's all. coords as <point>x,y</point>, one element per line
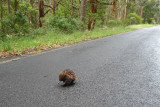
<point>31,17</point>
<point>83,10</point>
<point>8,7</point>
<point>53,6</point>
<point>118,14</point>
<point>119,10</point>
<point>107,12</point>
<point>93,10</point>
<point>113,10</point>
<point>1,9</point>
<point>41,11</point>
<point>126,10</point>
<point>141,12</point>
<point>72,11</point>
<point>15,6</point>
<point>31,2</point>
<point>1,15</point>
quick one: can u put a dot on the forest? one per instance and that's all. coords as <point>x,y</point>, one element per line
<point>41,24</point>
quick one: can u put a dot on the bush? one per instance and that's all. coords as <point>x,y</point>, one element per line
<point>133,18</point>
<point>20,23</point>
<point>64,24</point>
<point>119,22</point>
<point>8,25</point>
<point>28,11</point>
<point>16,25</point>
<point>149,20</point>
<point>112,23</point>
<point>5,44</point>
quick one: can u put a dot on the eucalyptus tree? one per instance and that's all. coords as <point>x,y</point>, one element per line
<point>1,6</point>
<point>151,10</point>
<point>142,4</point>
<point>83,10</point>
<point>8,6</point>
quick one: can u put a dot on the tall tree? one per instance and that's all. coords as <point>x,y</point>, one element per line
<point>113,10</point>
<point>126,9</point>
<point>1,9</point>
<point>142,4</point>
<point>41,11</point>
<point>83,10</point>
<point>31,17</point>
<point>31,2</point>
<point>72,10</point>
<point>8,6</point>
<point>53,6</point>
<point>15,6</point>
<point>1,15</point>
<point>93,11</point>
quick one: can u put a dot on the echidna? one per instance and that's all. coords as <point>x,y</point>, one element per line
<point>67,76</point>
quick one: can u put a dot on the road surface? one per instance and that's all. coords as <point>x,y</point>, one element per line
<point>116,71</point>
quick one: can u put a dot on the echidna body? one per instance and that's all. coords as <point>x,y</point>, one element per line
<point>67,76</point>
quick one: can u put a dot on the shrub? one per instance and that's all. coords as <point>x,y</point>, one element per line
<point>149,20</point>
<point>8,26</point>
<point>133,18</point>
<point>28,11</point>
<point>19,24</point>
<point>15,24</point>
<point>64,24</point>
<point>119,22</point>
<point>5,44</point>
<point>112,23</point>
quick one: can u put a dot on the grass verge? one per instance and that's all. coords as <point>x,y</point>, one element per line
<point>43,39</point>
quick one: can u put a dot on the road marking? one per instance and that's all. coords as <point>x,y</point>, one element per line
<point>15,59</point>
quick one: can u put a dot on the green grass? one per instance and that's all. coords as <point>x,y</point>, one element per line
<point>52,38</point>
<point>140,26</point>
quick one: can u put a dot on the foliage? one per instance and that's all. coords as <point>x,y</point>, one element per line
<point>54,38</point>
<point>30,13</point>
<point>112,23</point>
<point>5,44</point>
<point>149,20</point>
<point>22,22</point>
<point>8,24</point>
<point>15,24</point>
<point>151,10</point>
<point>63,23</point>
<point>133,18</point>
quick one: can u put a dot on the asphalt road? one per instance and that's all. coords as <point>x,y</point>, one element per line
<point>116,71</point>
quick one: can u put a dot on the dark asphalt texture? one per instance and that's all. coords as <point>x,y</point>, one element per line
<point>116,71</point>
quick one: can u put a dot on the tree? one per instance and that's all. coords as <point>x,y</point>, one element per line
<point>72,10</point>
<point>1,14</point>
<point>31,2</point>
<point>1,9</point>
<point>150,11</point>
<point>93,11</point>
<point>15,6</point>
<point>113,10</point>
<point>41,11</point>
<point>31,18</point>
<point>83,10</point>
<point>53,6</point>
<point>126,9</point>
<point>8,6</point>
<point>142,4</point>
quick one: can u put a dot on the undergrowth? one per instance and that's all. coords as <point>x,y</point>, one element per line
<point>45,38</point>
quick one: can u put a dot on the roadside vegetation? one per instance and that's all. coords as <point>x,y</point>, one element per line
<point>36,25</point>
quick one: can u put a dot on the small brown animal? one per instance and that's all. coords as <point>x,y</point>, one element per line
<point>67,76</point>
